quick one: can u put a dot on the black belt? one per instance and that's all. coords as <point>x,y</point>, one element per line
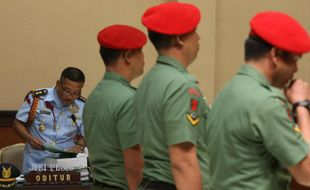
<point>160,185</point>
<point>98,183</point>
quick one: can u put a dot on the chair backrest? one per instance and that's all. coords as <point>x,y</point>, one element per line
<point>13,154</point>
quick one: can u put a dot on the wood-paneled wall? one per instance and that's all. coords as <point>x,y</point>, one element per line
<point>7,134</point>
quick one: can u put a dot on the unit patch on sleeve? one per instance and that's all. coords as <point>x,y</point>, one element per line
<point>193,116</point>
<point>194,92</point>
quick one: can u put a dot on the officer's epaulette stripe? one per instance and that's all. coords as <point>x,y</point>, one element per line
<point>82,99</point>
<point>40,92</point>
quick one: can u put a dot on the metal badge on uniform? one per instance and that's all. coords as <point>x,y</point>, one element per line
<point>73,108</point>
<point>46,112</point>
<point>42,126</point>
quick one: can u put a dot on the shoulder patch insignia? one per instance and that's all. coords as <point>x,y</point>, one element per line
<point>194,104</point>
<point>194,92</point>
<point>192,115</point>
<point>193,118</point>
<point>40,92</point>
<point>81,98</point>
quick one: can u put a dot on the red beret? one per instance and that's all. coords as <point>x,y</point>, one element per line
<point>173,18</point>
<point>121,37</point>
<point>282,31</point>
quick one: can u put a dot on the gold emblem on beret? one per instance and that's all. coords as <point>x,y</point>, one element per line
<point>6,173</point>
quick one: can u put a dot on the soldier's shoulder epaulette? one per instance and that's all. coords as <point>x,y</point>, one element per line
<point>40,92</point>
<point>81,98</point>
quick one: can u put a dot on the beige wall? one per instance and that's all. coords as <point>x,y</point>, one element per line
<point>38,38</point>
<point>232,18</point>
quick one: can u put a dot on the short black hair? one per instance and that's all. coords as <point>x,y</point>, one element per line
<point>109,56</point>
<point>256,48</point>
<point>73,74</point>
<point>161,41</point>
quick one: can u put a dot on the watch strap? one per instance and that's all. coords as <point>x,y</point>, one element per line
<point>303,103</point>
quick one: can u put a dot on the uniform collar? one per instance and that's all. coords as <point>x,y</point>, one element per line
<point>162,59</point>
<point>53,97</point>
<point>57,100</point>
<point>249,70</point>
<point>116,77</point>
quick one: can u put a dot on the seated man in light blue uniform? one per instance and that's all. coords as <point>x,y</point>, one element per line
<point>52,116</point>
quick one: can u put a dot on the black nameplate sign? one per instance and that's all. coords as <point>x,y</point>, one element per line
<point>52,177</point>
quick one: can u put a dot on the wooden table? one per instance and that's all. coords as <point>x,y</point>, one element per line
<point>296,186</point>
<point>83,186</point>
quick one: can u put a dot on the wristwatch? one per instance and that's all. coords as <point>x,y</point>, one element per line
<point>304,103</point>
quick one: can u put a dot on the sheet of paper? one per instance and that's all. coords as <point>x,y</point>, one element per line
<point>52,148</point>
<point>63,154</point>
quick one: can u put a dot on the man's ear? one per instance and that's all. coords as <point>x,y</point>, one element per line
<point>127,56</point>
<point>179,40</point>
<point>274,54</point>
<point>58,83</point>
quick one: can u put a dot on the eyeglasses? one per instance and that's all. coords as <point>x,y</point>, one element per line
<point>68,92</point>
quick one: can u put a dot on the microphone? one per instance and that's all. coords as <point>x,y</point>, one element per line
<point>74,119</point>
<point>75,123</point>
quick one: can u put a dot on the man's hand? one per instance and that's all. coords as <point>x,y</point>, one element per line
<point>23,132</point>
<point>76,149</point>
<point>35,143</point>
<point>298,91</point>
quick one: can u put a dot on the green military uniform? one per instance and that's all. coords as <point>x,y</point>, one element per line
<point>109,128</point>
<point>170,109</point>
<point>251,136</point>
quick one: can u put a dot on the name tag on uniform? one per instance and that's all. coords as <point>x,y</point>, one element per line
<point>76,117</point>
<point>45,112</point>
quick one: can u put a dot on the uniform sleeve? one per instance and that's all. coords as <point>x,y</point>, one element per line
<point>126,128</point>
<point>181,114</point>
<point>280,136</point>
<point>23,112</point>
